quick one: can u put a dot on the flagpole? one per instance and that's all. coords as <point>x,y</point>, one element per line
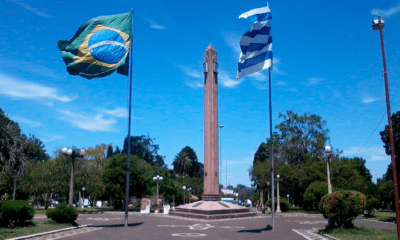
<point>128,159</point>
<point>271,151</point>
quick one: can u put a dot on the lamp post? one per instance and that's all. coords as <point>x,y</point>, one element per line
<point>184,188</point>
<point>73,153</point>
<point>157,178</point>
<point>278,206</point>
<point>83,197</point>
<point>378,24</point>
<point>220,151</point>
<point>288,199</point>
<point>189,189</point>
<point>328,151</point>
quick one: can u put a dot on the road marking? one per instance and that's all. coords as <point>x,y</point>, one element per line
<point>310,234</point>
<point>307,222</point>
<point>199,226</point>
<point>189,234</point>
<point>102,219</point>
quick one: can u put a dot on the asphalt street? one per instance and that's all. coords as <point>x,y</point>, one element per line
<point>160,226</point>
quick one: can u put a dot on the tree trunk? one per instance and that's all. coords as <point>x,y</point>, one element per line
<point>15,186</point>
<point>71,184</point>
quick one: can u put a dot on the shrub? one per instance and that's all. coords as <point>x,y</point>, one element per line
<point>313,195</point>
<point>343,207</point>
<point>14,213</point>
<point>63,214</point>
<point>283,203</point>
<point>372,204</point>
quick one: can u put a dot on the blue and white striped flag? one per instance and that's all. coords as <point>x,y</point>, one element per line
<point>256,44</point>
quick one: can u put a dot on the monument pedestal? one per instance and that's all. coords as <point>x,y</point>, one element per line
<point>212,210</point>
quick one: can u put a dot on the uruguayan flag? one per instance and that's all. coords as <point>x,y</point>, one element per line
<point>256,44</point>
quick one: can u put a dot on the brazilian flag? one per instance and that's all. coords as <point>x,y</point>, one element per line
<point>99,47</point>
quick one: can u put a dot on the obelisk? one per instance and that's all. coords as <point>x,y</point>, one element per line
<point>211,170</point>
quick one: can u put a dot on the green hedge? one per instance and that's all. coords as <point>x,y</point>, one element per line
<point>15,213</point>
<point>313,195</point>
<point>343,207</point>
<point>283,204</point>
<point>63,214</point>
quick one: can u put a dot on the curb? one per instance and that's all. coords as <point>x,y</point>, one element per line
<point>46,233</point>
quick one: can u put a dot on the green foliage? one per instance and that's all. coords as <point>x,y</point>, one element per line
<point>283,204</point>
<point>386,193</point>
<point>372,204</point>
<point>143,147</point>
<point>15,213</point>
<point>343,207</point>
<point>34,149</point>
<point>313,195</point>
<point>301,135</point>
<point>63,214</point>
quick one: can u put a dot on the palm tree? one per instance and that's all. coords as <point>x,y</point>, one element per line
<point>12,157</point>
<point>182,163</point>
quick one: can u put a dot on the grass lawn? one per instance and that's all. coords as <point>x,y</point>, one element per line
<point>42,211</point>
<point>362,233</point>
<point>386,216</point>
<point>31,229</point>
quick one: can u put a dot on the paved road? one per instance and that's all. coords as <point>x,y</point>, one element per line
<point>159,226</point>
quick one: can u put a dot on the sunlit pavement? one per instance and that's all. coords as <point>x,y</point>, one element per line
<point>159,226</point>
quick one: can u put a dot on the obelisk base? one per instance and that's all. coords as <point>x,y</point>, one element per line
<point>212,210</point>
<point>211,197</point>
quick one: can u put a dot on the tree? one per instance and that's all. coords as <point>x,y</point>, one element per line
<point>10,135</point>
<point>230,187</point>
<point>34,149</point>
<point>110,151</point>
<point>182,164</point>
<point>386,141</point>
<point>12,157</point>
<point>300,135</point>
<point>197,167</point>
<point>143,147</point>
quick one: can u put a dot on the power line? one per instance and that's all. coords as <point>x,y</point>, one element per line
<point>371,134</point>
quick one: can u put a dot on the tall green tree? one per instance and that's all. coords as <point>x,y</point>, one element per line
<point>142,146</point>
<point>386,144</point>
<point>34,149</point>
<point>182,164</point>
<point>301,135</point>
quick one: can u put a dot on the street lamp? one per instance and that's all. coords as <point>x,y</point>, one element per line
<point>83,197</point>
<point>73,153</point>
<point>189,189</point>
<point>184,188</point>
<point>328,151</point>
<point>220,151</point>
<point>378,24</point>
<point>157,179</point>
<point>278,207</point>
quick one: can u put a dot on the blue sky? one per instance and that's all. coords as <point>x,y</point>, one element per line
<point>327,61</point>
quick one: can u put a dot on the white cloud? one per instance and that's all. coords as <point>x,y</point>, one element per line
<point>386,13</point>
<point>155,25</point>
<point>369,154</point>
<point>118,112</point>
<point>367,99</point>
<point>27,121</point>
<point>281,83</point>
<point>52,138</point>
<point>315,80</point>
<point>226,81</point>
<point>28,90</point>
<point>232,41</point>
<point>194,84</point>
<point>29,8</point>
<point>96,123</point>
<point>190,72</point>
